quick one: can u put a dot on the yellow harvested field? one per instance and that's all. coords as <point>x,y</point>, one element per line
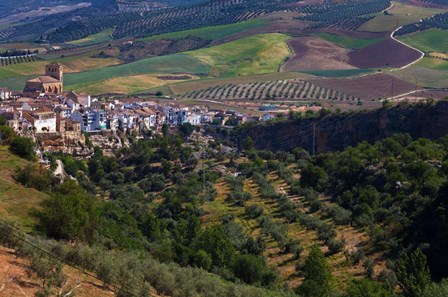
<point>443,56</point>
<point>130,84</point>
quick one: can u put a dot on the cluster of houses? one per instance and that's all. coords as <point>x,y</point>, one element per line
<point>44,109</point>
<point>72,111</point>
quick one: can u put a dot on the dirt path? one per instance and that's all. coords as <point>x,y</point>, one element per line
<point>422,54</point>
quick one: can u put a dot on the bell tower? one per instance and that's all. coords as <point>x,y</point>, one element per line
<point>55,70</point>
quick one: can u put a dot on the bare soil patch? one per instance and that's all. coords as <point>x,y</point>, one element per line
<point>388,53</point>
<point>356,34</point>
<point>312,53</point>
<point>16,280</point>
<point>369,87</point>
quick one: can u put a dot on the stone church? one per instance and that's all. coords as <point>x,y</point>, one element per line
<point>51,83</point>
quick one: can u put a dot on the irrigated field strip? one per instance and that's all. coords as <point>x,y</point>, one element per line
<point>278,89</point>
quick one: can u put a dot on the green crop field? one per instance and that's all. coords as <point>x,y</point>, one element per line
<point>434,63</point>
<point>347,41</point>
<point>400,14</point>
<point>432,40</point>
<point>93,39</point>
<point>429,72</point>
<point>338,73</point>
<point>178,63</point>
<point>211,33</point>
<point>71,64</point>
<point>257,54</point>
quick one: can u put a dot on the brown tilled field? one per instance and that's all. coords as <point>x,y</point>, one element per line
<point>312,53</point>
<point>368,87</point>
<point>388,53</point>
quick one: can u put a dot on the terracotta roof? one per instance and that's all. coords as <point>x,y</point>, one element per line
<point>44,79</point>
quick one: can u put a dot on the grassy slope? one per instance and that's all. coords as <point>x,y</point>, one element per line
<point>16,201</point>
<point>401,14</point>
<point>429,72</point>
<point>127,85</point>
<point>101,37</point>
<point>432,40</point>
<point>347,41</point>
<point>248,56</point>
<point>178,63</point>
<point>434,63</point>
<point>211,33</point>
<point>257,54</point>
<point>14,76</point>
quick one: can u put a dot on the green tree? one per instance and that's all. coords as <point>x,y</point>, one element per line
<point>69,213</point>
<point>437,290</point>
<point>186,129</point>
<point>165,130</point>
<point>312,177</point>
<point>214,241</point>
<point>413,273</point>
<point>23,147</point>
<point>252,269</point>
<point>318,278</point>
<point>248,143</point>
<point>366,288</point>
<point>6,134</point>
<point>202,259</point>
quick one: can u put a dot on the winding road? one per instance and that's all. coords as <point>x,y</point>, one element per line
<point>422,54</point>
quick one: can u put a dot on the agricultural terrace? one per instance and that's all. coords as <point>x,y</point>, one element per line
<point>267,207</point>
<point>429,41</point>
<point>204,83</point>
<point>348,41</point>
<point>257,54</point>
<point>278,90</point>
<point>93,39</point>
<point>211,33</point>
<point>400,14</point>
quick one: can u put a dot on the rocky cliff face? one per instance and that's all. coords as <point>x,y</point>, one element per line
<point>337,132</point>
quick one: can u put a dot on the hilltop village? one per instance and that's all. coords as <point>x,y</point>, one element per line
<point>59,120</point>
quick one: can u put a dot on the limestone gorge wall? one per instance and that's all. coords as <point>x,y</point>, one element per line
<point>339,131</point>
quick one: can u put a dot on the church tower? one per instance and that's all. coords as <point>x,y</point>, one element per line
<point>55,70</point>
